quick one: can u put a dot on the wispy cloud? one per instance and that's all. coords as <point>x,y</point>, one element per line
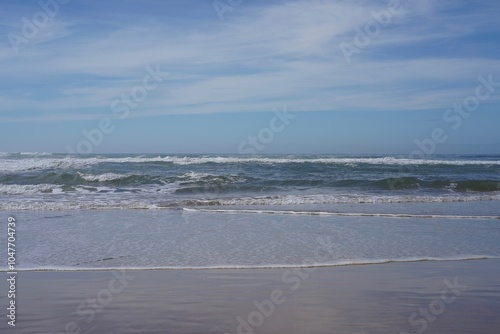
<point>260,56</point>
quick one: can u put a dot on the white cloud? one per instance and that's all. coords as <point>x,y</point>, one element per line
<point>267,56</point>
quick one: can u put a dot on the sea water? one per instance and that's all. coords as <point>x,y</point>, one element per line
<point>221,211</point>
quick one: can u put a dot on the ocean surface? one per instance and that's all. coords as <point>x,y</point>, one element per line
<point>160,211</point>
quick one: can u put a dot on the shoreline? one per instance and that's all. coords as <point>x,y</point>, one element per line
<point>345,299</point>
<point>270,267</point>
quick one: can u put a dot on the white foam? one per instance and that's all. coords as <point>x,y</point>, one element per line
<point>90,198</point>
<point>35,153</point>
<point>10,165</point>
<point>17,165</point>
<point>346,161</point>
<point>195,176</point>
<point>103,177</point>
<point>342,263</point>
<point>78,204</point>
<point>18,189</point>
<point>47,189</point>
<point>338,199</point>
<point>341,214</point>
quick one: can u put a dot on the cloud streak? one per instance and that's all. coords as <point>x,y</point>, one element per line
<point>261,56</point>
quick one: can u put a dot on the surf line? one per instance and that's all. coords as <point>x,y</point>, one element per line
<point>341,214</point>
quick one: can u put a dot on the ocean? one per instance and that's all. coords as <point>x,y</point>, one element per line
<point>157,211</point>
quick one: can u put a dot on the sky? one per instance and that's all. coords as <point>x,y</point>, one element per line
<point>250,77</point>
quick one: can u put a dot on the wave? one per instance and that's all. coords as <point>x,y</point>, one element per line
<point>26,164</point>
<point>340,214</point>
<point>34,153</point>
<point>104,177</point>
<point>414,183</point>
<point>19,189</point>
<point>206,183</point>
<point>106,199</point>
<point>25,153</point>
<point>70,181</point>
<point>341,263</point>
<point>392,183</point>
<point>228,184</point>
<point>330,199</point>
<point>103,204</point>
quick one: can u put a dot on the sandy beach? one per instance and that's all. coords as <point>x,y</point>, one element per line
<point>421,297</point>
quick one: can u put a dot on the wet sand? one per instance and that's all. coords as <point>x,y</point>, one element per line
<point>419,297</point>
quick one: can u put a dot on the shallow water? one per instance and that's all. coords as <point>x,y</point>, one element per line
<point>179,239</point>
<point>199,211</point>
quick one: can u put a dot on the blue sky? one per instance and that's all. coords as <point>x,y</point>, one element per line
<point>224,70</point>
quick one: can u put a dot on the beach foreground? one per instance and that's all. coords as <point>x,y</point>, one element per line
<point>421,297</point>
